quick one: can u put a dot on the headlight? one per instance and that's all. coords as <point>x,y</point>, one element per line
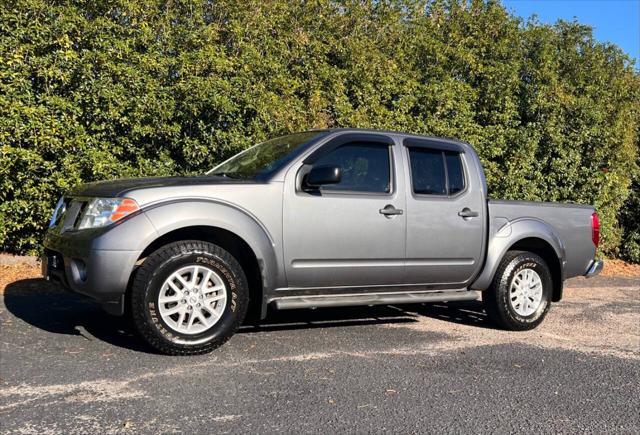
<point>104,211</point>
<point>61,207</point>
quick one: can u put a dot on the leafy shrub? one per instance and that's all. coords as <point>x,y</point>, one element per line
<point>113,88</point>
<point>630,221</point>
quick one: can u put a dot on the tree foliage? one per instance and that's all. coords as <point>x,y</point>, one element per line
<point>115,88</point>
<point>629,219</point>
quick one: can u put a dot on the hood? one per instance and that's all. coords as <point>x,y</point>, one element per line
<point>120,187</point>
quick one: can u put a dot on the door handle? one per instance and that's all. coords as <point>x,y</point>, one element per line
<point>467,213</point>
<point>390,210</point>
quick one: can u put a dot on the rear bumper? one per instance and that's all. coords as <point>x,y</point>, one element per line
<point>594,268</point>
<point>99,274</point>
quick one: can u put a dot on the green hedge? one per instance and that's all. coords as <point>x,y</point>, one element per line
<point>629,219</point>
<point>102,89</point>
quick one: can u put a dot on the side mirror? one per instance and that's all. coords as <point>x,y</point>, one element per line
<point>321,175</point>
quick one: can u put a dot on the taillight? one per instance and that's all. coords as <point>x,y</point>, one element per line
<point>595,229</point>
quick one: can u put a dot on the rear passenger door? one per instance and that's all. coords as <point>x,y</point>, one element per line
<point>445,214</point>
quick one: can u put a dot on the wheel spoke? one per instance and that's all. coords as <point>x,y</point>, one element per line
<point>168,299</point>
<point>204,320</point>
<point>171,311</point>
<point>208,308</point>
<point>215,298</point>
<point>181,319</point>
<point>216,288</point>
<point>536,299</point>
<point>205,280</point>
<point>173,286</point>
<point>194,276</point>
<point>191,319</point>
<point>181,279</point>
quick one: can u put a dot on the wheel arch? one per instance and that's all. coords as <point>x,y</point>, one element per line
<point>231,228</point>
<point>544,249</point>
<point>527,234</point>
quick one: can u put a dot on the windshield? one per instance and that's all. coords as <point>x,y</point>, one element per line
<point>262,160</point>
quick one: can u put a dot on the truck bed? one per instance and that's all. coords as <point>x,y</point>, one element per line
<point>571,223</point>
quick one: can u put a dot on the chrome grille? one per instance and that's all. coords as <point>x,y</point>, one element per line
<point>67,214</point>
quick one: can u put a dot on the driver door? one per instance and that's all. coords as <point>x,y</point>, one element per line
<point>343,234</point>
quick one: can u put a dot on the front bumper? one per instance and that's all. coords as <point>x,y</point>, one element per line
<point>594,268</point>
<point>102,275</point>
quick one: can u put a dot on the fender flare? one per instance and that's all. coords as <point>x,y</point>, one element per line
<point>170,215</point>
<point>507,236</point>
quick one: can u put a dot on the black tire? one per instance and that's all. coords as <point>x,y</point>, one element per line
<point>148,282</point>
<point>496,299</point>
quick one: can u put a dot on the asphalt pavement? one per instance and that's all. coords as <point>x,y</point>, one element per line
<point>67,367</point>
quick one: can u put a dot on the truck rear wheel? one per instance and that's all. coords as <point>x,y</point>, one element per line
<point>520,294</point>
<point>188,298</point>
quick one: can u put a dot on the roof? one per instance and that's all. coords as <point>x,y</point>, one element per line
<point>399,133</point>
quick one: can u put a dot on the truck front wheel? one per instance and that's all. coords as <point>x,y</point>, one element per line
<point>188,297</point>
<point>520,294</point>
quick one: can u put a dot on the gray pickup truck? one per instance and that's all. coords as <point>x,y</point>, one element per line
<point>322,218</point>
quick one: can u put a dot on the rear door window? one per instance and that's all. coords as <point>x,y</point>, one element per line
<point>436,172</point>
<point>427,171</point>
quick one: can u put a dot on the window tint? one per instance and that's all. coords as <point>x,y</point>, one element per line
<point>427,171</point>
<point>365,167</point>
<point>454,172</point>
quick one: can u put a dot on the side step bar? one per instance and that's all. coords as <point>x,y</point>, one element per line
<point>293,302</point>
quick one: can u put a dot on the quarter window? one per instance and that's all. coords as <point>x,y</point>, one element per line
<point>365,167</point>
<point>436,172</point>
